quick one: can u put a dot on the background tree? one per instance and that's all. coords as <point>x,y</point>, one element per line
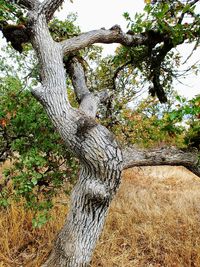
<point>145,48</point>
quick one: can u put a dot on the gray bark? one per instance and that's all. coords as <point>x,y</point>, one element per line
<point>173,156</point>
<point>88,101</point>
<point>113,35</point>
<point>29,4</point>
<point>93,144</point>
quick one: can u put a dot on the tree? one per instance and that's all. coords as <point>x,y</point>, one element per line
<point>100,156</point>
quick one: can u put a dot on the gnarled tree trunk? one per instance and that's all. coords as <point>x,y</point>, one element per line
<point>93,144</point>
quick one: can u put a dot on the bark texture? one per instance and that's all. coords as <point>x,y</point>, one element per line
<point>173,156</point>
<point>96,148</point>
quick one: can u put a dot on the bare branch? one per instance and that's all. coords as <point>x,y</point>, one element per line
<point>104,95</point>
<point>117,71</point>
<point>77,75</point>
<point>157,58</point>
<point>88,101</point>
<point>191,53</point>
<point>48,7</point>
<point>114,35</point>
<point>162,156</point>
<point>192,3</point>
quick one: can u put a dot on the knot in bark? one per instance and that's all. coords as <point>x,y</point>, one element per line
<point>84,125</point>
<point>97,191</point>
<point>116,28</point>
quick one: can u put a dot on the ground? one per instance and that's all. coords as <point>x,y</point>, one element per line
<point>154,221</point>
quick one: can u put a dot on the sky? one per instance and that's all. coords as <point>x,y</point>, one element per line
<point>95,14</point>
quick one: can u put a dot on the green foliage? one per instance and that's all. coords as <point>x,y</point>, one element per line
<point>189,112</point>
<point>10,11</point>
<point>61,30</point>
<point>153,124</point>
<point>41,219</point>
<point>149,125</point>
<point>166,19</point>
<point>41,164</point>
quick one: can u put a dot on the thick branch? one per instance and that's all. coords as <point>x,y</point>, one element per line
<point>88,102</point>
<point>162,156</point>
<point>157,59</point>
<point>76,71</point>
<point>114,35</point>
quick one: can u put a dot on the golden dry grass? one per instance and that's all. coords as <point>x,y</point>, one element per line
<point>154,221</point>
<point>20,243</point>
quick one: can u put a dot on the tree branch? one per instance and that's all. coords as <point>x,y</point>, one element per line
<point>76,72</point>
<point>183,13</point>
<point>48,7</point>
<point>156,59</point>
<point>88,101</point>
<point>162,156</point>
<point>113,35</point>
<point>117,71</point>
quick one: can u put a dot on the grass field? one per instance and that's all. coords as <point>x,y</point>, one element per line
<point>154,221</point>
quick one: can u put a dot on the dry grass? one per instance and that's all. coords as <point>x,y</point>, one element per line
<point>22,245</point>
<point>154,221</point>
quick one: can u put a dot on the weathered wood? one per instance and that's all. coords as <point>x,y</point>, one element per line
<point>96,148</point>
<point>113,35</point>
<point>173,156</point>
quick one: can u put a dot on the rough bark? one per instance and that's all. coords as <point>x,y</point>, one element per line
<point>93,144</point>
<point>173,156</point>
<point>113,35</point>
<point>88,101</point>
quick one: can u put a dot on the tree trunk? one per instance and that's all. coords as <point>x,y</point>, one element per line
<point>98,152</point>
<point>98,181</point>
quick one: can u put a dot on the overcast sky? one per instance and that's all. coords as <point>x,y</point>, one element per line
<point>95,14</point>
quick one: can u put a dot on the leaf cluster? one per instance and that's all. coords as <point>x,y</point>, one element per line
<point>153,124</point>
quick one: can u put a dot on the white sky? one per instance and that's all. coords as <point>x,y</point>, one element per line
<point>95,14</point>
